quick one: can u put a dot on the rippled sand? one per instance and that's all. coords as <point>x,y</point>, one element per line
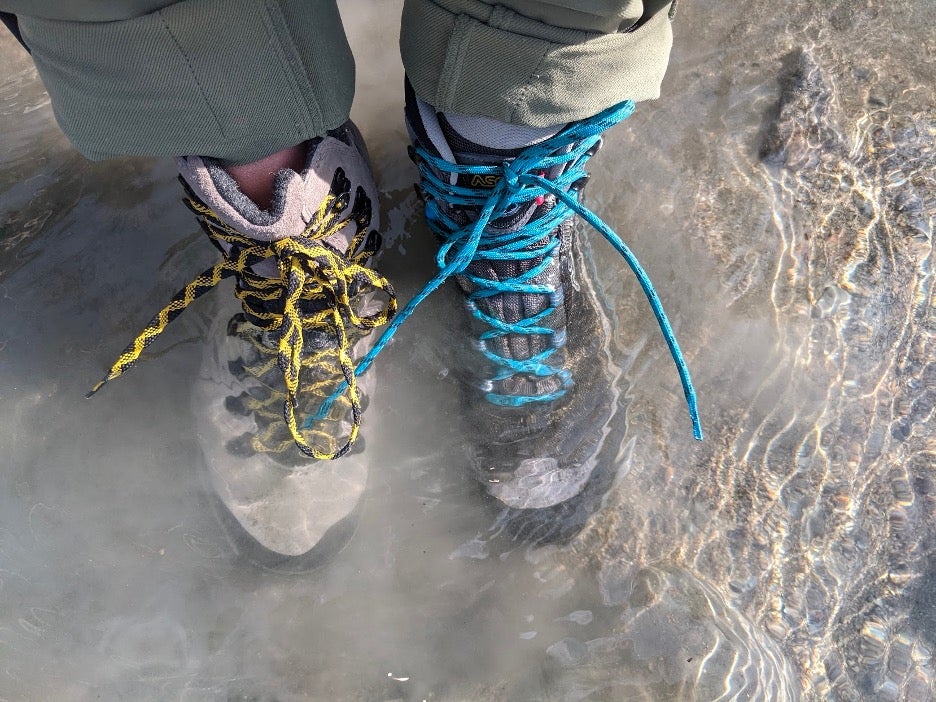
<point>781,195</point>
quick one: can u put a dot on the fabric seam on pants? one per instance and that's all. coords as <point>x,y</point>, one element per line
<point>499,16</point>
<point>505,19</point>
<point>218,123</point>
<point>499,19</point>
<point>304,107</point>
<point>528,86</point>
<point>461,32</point>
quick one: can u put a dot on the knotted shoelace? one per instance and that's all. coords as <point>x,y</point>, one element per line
<point>312,275</point>
<point>521,180</point>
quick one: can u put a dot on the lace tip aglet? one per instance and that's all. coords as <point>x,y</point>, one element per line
<point>696,427</point>
<point>94,390</point>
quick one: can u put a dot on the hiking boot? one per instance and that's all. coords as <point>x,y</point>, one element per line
<point>506,222</point>
<point>309,304</point>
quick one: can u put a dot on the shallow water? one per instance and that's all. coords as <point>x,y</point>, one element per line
<point>789,556</point>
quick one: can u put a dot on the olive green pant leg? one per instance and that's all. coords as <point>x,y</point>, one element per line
<point>535,62</point>
<point>232,79</point>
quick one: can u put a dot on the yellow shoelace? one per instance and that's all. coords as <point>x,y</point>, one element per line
<point>310,271</point>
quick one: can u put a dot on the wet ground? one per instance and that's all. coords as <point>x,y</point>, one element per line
<point>781,196</point>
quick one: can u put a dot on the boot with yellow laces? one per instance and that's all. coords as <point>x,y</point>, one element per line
<point>310,301</point>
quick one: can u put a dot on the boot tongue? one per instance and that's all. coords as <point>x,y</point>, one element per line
<point>247,209</point>
<point>477,141</point>
<point>484,136</point>
<point>228,189</point>
<point>502,142</point>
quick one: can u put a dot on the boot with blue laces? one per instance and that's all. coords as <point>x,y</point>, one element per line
<point>507,216</point>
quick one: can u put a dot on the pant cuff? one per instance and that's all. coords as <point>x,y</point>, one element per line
<point>473,58</point>
<point>231,79</point>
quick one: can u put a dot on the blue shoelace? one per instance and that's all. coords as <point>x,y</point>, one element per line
<point>520,181</point>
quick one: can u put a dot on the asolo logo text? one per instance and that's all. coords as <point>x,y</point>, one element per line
<point>484,181</point>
